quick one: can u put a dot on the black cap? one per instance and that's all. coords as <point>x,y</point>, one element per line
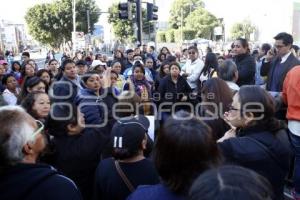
<point>129,132</point>
<point>81,62</point>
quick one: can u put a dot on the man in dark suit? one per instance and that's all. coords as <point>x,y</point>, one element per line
<point>278,62</point>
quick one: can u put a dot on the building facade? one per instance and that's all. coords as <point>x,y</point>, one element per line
<point>12,36</point>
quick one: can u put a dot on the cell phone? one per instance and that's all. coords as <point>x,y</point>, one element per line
<point>274,51</point>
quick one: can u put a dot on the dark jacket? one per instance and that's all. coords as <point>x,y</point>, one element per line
<point>97,110</point>
<point>64,92</point>
<point>36,181</point>
<point>171,92</point>
<point>77,156</point>
<point>267,69</point>
<point>154,73</point>
<point>157,80</point>
<point>246,150</point>
<point>128,64</point>
<point>246,67</point>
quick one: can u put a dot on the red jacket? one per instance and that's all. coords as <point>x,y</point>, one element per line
<point>291,93</point>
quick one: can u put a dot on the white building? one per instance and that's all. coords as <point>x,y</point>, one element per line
<point>13,36</point>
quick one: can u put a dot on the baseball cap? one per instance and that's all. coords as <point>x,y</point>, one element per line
<point>129,132</point>
<point>138,62</point>
<point>97,63</point>
<point>80,62</point>
<point>3,62</point>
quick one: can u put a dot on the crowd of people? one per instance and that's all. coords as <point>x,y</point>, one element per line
<point>226,126</point>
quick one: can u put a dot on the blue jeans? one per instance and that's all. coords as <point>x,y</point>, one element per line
<point>295,140</point>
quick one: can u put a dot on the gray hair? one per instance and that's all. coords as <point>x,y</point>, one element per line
<point>15,132</point>
<point>227,70</point>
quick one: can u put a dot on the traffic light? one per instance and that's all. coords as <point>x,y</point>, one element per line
<point>125,10</point>
<point>151,12</point>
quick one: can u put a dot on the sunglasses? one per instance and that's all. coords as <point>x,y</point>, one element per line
<point>39,129</point>
<point>192,52</point>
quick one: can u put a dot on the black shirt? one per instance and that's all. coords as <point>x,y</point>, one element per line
<point>109,185</point>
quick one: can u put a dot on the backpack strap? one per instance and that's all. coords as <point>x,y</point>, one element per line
<point>124,177</point>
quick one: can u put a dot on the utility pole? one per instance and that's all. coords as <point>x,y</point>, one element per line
<point>88,28</point>
<point>139,21</point>
<point>88,21</point>
<point>74,26</point>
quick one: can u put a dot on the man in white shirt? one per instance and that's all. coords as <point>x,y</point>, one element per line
<point>193,67</point>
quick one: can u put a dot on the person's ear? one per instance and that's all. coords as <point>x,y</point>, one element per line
<point>236,76</point>
<point>71,129</point>
<point>144,142</point>
<point>28,149</point>
<point>29,90</point>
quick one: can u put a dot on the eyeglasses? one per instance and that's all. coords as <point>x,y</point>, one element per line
<point>39,129</point>
<point>192,52</point>
<point>232,108</point>
<point>279,46</point>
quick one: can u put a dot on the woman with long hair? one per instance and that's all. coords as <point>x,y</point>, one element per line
<point>257,140</point>
<point>210,68</point>
<point>216,97</point>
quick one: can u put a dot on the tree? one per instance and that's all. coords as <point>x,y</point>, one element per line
<point>202,22</point>
<point>81,14</point>
<point>40,19</point>
<point>186,6</point>
<point>242,29</point>
<point>51,24</point>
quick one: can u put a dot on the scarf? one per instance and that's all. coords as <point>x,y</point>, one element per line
<point>138,84</point>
